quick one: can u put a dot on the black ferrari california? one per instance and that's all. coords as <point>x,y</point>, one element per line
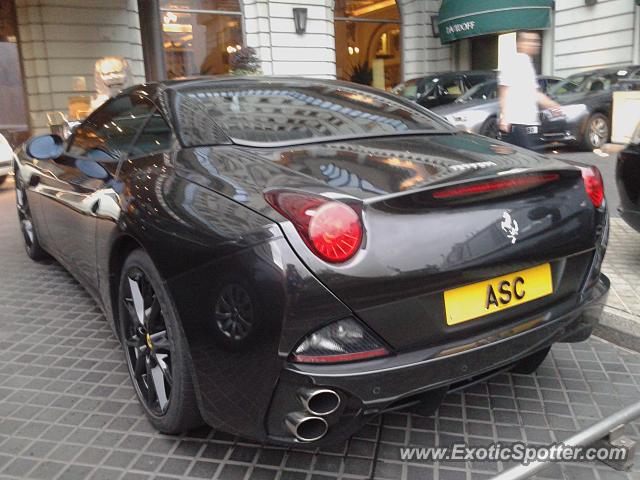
<point>282,259</point>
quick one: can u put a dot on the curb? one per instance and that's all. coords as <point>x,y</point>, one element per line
<point>619,327</point>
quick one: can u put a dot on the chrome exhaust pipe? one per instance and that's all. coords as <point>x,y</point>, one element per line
<point>306,428</point>
<point>319,401</point>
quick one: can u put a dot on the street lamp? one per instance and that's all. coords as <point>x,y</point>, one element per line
<point>300,20</point>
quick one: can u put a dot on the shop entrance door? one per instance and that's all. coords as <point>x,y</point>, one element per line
<point>484,52</point>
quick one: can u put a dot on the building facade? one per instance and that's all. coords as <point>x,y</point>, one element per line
<point>378,42</point>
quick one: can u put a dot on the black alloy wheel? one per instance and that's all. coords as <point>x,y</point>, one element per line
<point>596,133</point>
<point>27,226</point>
<point>148,347</point>
<point>154,347</point>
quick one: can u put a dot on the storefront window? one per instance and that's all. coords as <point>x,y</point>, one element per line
<point>368,42</point>
<point>200,35</point>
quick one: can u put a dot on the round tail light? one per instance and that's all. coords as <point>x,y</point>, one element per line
<point>335,232</point>
<point>330,228</point>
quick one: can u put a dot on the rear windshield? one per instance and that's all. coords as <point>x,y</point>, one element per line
<point>259,114</point>
<point>589,82</point>
<point>482,91</point>
<point>408,89</point>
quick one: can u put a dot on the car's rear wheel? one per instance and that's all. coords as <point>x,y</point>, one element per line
<point>596,133</point>
<point>27,225</point>
<point>490,128</point>
<point>155,347</point>
<point>530,364</point>
<point>3,178</point>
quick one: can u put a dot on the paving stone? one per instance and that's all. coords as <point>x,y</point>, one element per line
<point>68,411</point>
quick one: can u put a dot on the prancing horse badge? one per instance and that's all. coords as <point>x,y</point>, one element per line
<point>509,226</point>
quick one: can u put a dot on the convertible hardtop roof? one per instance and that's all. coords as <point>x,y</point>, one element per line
<point>449,73</point>
<point>182,100</point>
<point>608,70</point>
<point>154,88</point>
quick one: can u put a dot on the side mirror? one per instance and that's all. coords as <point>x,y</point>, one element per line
<point>44,147</point>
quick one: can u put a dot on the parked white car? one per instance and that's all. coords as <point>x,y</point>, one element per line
<point>6,157</point>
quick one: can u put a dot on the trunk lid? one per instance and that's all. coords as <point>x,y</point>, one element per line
<point>369,168</point>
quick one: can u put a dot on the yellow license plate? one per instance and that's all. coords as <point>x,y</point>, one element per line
<point>496,294</point>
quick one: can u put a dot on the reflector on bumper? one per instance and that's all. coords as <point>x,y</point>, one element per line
<point>342,341</point>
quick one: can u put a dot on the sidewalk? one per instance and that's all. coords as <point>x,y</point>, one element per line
<point>621,320</point>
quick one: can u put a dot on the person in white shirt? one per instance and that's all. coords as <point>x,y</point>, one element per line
<point>520,96</point>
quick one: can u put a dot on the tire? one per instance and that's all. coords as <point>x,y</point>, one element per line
<point>596,132</point>
<point>530,364</point>
<point>3,178</point>
<point>155,348</point>
<point>27,225</point>
<point>490,128</point>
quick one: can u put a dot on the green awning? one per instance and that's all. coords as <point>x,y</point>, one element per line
<point>469,18</point>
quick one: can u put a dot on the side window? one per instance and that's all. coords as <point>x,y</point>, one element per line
<point>474,80</point>
<point>156,136</point>
<point>452,87</point>
<point>490,91</point>
<point>109,131</point>
<point>82,141</point>
<point>599,84</point>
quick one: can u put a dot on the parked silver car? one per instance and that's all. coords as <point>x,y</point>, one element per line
<point>477,110</point>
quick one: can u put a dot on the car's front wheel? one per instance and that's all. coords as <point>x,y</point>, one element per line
<point>3,178</point>
<point>596,133</point>
<point>27,225</point>
<point>155,347</point>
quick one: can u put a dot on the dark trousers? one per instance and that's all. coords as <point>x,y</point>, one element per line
<point>519,136</point>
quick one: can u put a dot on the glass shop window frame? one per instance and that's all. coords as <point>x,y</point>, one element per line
<point>225,13</point>
<point>399,22</point>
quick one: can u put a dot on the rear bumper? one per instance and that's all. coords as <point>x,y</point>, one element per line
<point>571,132</point>
<point>561,137</point>
<point>368,388</point>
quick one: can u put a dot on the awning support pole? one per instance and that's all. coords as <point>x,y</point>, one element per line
<point>586,437</point>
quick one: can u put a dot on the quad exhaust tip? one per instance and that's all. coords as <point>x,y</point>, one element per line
<point>319,401</point>
<point>306,428</point>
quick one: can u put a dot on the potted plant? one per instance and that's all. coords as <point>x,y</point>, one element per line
<point>245,62</point>
<point>362,73</point>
